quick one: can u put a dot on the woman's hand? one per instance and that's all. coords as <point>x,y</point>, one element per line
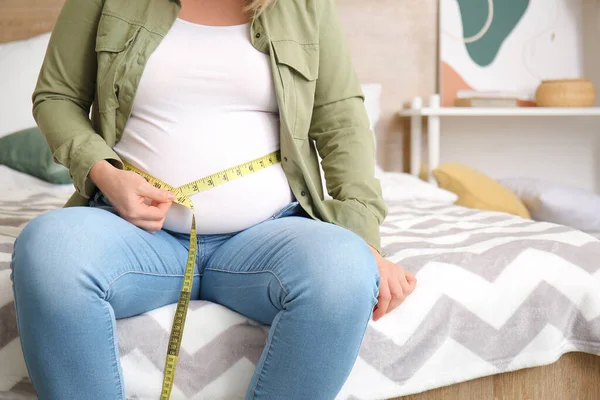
<point>395,284</point>
<point>134,199</point>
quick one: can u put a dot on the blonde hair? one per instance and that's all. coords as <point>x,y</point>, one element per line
<point>256,7</point>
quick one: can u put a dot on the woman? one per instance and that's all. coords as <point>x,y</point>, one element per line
<point>181,91</point>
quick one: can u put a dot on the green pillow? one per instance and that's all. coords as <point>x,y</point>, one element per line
<point>27,151</point>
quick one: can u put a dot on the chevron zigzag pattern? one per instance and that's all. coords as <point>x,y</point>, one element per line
<point>495,293</point>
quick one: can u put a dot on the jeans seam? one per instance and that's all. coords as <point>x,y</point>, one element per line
<point>200,257</point>
<point>366,326</point>
<point>267,356</point>
<point>284,210</point>
<point>142,273</point>
<point>251,272</point>
<point>18,328</point>
<point>114,344</point>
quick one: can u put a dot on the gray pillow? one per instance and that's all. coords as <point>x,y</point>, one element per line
<point>560,204</point>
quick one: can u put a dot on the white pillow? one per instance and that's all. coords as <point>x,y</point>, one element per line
<point>401,187</point>
<point>372,92</point>
<point>559,204</point>
<point>396,186</point>
<point>20,64</point>
<point>12,181</point>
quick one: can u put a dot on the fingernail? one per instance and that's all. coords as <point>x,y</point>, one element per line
<point>171,196</point>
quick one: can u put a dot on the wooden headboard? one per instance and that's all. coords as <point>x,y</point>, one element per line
<point>393,42</point>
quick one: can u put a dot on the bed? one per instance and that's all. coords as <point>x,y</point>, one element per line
<point>495,293</point>
<point>505,308</point>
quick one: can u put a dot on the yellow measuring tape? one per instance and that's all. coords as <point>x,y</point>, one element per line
<point>182,196</point>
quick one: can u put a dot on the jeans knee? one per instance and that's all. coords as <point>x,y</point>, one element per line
<point>31,249</point>
<point>343,278</point>
<point>354,273</point>
<point>43,266</point>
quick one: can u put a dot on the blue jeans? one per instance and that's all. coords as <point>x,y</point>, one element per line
<point>76,270</point>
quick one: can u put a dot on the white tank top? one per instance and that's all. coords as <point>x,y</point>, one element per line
<point>206,102</point>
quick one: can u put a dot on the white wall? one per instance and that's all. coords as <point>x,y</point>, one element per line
<point>591,43</point>
<point>560,149</point>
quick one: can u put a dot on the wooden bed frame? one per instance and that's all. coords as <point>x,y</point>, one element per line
<point>575,376</point>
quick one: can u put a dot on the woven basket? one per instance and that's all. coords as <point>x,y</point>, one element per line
<point>566,93</point>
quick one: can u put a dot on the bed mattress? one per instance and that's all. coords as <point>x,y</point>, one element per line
<point>495,293</point>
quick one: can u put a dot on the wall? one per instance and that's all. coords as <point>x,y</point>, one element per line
<point>22,19</point>
<point>563,150</point>
<point>591,43</point>
<point>393,42</point>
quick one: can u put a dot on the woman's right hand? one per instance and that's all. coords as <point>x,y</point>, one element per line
<point>132,197</point>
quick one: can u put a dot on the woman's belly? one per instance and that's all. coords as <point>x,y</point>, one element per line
<point>179,152</point>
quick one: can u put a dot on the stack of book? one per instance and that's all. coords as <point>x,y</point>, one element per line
<point>470,98</point>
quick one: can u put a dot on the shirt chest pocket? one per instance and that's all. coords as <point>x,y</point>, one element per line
<point>115,46</point>
<point>298,68</point>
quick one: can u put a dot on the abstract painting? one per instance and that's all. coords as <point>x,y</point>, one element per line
<point>508,45</point>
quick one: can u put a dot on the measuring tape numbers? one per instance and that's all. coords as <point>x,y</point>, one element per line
<point>182,197</point>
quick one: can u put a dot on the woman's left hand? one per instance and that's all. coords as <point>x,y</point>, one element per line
<point>395,284</point>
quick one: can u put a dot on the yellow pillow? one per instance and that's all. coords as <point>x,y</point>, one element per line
<point>476,190</point>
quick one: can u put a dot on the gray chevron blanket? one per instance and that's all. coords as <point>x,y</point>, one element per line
<point>495,293</point>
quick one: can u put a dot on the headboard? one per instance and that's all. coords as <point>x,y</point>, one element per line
<point>393,42</point>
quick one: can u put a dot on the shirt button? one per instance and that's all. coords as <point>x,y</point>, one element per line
<point>257,35</point>
<point>303,193</point>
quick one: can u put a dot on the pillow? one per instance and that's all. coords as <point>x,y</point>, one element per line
<point>476,190</point>
<point>398,186</point>
<point>20,64</point>
<point>27,151</point>
<point>559,204</point>
<point>372,92</point>
<point>12,182</point>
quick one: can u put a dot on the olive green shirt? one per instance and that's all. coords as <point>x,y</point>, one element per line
<point>96,57</point>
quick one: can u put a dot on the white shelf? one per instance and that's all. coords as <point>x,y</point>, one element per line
<point>434,113</point>
<point>501,112</point>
